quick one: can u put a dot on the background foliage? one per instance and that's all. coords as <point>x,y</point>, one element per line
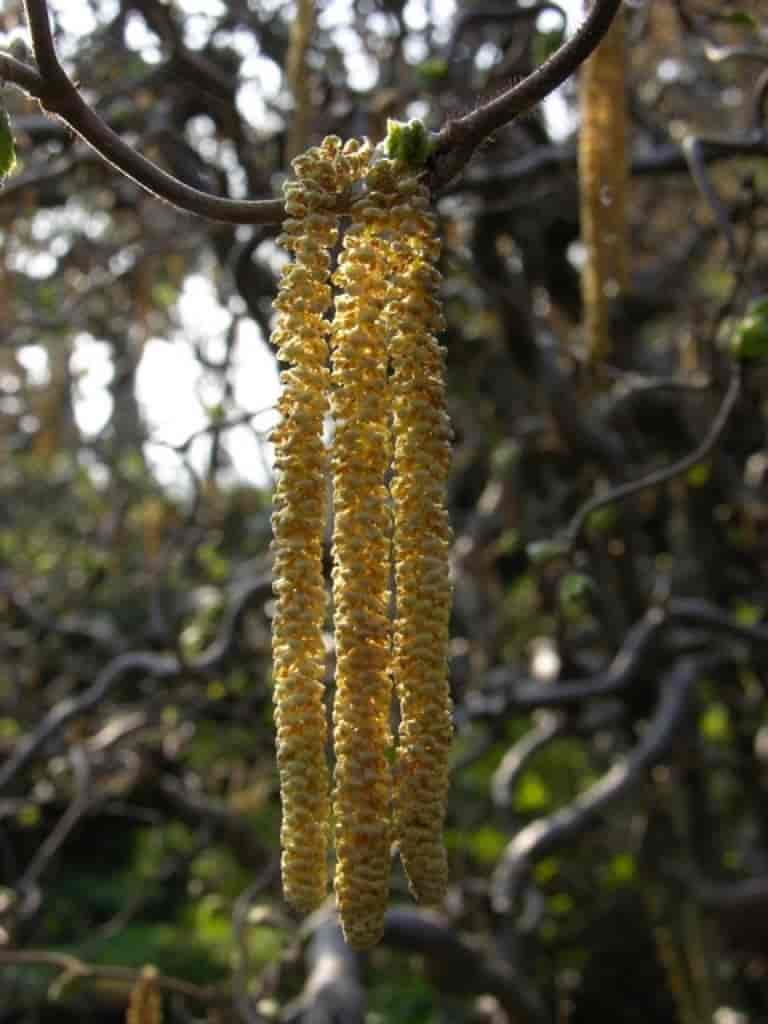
<point>608,830</point>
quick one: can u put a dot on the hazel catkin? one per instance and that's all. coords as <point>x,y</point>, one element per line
<point>603,185</point>
<point>422,535</point>
<point>298,523</point>
<point>362,553</point>
<point>144,1003</point>
<point>386,392</point>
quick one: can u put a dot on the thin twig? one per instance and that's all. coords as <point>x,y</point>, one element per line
<point>58,95</point>
<point>542,836</point>
<point>73,968</point>
<point>146,663</point>
<point>457,141</point>
<point>666,473</point>
<point>56,837</point>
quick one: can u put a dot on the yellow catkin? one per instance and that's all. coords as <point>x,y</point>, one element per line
<point>603,185</point>
<point>361,574</point>
<point>387,395</point>
<point>422,535</point>
<point>145,1005</point>
<point>297,74</point>
<point>298,521</point>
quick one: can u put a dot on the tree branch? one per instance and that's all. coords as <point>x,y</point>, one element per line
<point>72,968</point>
<point>147,663</point>
<point>457,141</point>
<point>541,836</point>
<point>640,644</point>
<point>666,473</point>
<point>58,95</point>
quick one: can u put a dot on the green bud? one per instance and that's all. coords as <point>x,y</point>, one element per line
<point>408,141</point>
<point>7,147</point>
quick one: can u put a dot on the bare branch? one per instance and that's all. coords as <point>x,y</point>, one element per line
<point>58,95</point>
<point>666,473</point>
<point>544,835</point>
<point>56,837</point>
<point>146,663</point>
<point>72,968</point>
<point>547,728</point>
<point>464,966</point>
<point>458,139</point>
<point>333,993</point>
<point>640,645</point>
<point>16,72</point>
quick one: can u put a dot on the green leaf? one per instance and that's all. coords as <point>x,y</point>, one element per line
<point>750,339</point>
<point>560,903</point>
<point>715,724</point>
<point>747,614</point>
<point>621,869</point>
<point>7,147</point>
<point>433,70</point>
<point>542,551</point>
<point>698,475</point>
<point>546,870</point>
<point>574,587</point>
<point>741,18</point>
<point>486,844</point>
<point>533,794</point>
<point>602,520</point>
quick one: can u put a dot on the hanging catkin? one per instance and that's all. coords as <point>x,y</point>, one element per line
<point>298,523</point>
<point>362,554</point>
<point>422,535</point>
<point>144,1004</point>
<point>603,185</point>
<point>387,395</point>
<point>298,75</point>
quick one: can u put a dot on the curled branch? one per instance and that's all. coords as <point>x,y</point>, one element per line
<point>544,835</point>
<point>146,663</point>
<point>666,473</point>
<point>547,728</point>
<point>464,966</point>
<point>58,95</point>
<point>640,644</point>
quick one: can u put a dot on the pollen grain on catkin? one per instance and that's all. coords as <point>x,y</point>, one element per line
<point>361,575</point>
<point>421,459</point>
<point>299,517</point>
